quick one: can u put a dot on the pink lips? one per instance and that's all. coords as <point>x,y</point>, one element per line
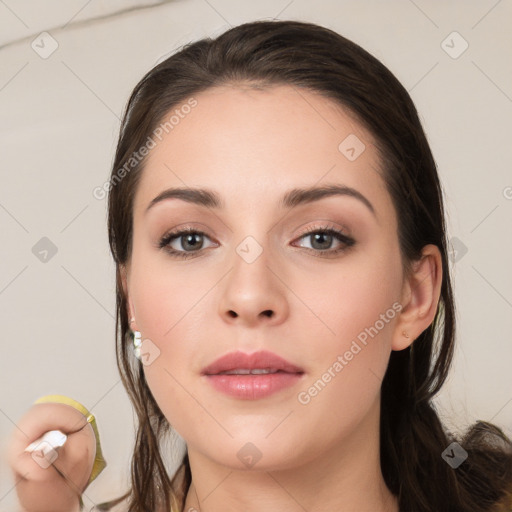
<point>271,374</point>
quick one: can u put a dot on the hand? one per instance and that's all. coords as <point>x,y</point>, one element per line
<point>44,484</point>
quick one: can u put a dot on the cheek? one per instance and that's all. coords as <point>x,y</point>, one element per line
<point>169,390</point>
<point>168,311</point>
<point>356,311</point>
<point>164,296</point>
<point>356,303</point>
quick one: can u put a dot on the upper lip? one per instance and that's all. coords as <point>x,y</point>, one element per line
<point>242,360</point>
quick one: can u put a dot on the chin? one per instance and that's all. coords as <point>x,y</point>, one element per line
<point>255,453</point>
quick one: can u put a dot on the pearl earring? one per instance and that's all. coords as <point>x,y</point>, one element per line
<point>137,340</point>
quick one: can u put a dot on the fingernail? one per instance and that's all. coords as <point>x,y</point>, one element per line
<point>54,438</point>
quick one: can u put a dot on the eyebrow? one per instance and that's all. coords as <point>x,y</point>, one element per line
<point>291,199</point>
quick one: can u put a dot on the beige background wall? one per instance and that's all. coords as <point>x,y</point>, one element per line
<point>59,122</point>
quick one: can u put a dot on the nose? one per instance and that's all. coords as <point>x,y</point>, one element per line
<point>253,292</point>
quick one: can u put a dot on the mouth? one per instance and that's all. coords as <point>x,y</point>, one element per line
<point>252,376</point>
<point>254,371</point>
<point>257,363</point>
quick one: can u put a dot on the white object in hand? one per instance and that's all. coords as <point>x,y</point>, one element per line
<point>55,438</point>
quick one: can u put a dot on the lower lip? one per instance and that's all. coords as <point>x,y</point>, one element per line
<point>253,387</point>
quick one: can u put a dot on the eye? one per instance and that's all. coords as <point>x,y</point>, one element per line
<point>190,239</point>
<point>322,238</point>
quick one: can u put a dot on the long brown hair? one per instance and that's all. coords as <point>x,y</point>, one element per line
<point>412,437</point>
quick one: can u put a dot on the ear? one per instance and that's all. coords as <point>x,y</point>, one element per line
<point>420,297</point>
<point>130,310</point>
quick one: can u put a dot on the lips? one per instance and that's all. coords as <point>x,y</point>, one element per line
<point>257,363</point>
<point>253,376</point>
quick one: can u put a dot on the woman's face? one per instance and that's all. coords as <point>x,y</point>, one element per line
<point>256,280</point>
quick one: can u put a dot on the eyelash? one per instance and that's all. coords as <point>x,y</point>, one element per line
<point>339,235</point>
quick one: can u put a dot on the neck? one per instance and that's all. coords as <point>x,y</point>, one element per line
<point>345,478</point>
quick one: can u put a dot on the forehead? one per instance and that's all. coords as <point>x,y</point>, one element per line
<point>252,145</point>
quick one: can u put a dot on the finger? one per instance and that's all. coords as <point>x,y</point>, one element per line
<point>54,438</point>
<point>73,462</point>
<point>76,466</point>
<point>40,419</point>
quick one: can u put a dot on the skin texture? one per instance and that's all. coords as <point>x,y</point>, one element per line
<point>251,146</point>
